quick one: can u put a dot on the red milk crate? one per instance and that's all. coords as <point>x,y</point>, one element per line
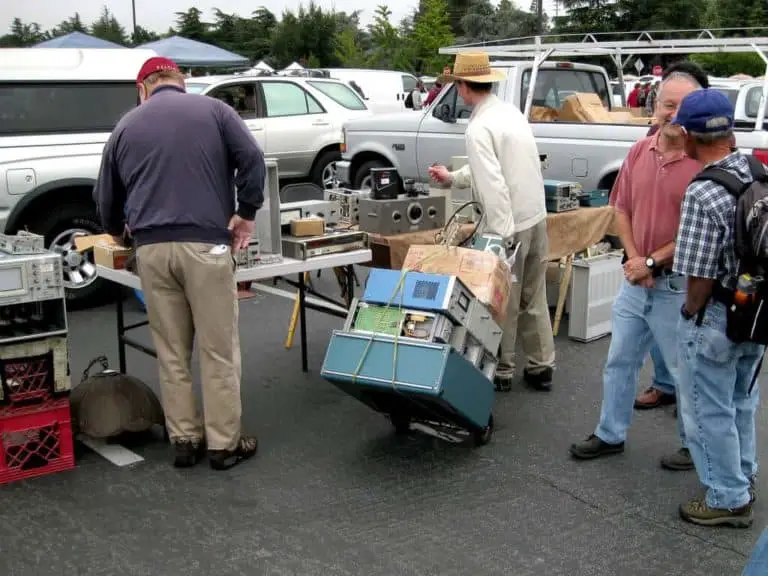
<point>36,441</point>
<point>33,372</point>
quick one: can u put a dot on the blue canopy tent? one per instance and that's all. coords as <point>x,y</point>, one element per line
<point>77,40</point>
<point>193,54</point>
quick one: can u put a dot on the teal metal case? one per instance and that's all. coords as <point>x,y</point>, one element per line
<point>429,381</point>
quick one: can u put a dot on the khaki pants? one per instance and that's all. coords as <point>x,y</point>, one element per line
<point>528,311</point>
<point>191,292</point>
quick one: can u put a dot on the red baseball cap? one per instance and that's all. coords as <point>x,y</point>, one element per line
<point>156,64</point>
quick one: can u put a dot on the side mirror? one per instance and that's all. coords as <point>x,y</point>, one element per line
<point>444,114</point>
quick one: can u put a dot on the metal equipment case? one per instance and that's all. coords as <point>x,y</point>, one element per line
<point>32,303</point>
<point>419,291</point>
<point>411,381</point>
<point>268,216</point>
<point>401,215</point>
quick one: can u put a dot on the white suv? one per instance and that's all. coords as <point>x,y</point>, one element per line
<point>296,120</point>
<point>57,109</point>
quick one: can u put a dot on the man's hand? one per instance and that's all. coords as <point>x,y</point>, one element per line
<point>242,231</point>
<point>440,174</point>
<point>648,282</point>
<point>636,270</point>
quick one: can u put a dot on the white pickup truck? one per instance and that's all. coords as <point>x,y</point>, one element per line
<point>590,154</point>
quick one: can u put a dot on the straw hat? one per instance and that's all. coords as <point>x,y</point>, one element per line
<point>473,67</point>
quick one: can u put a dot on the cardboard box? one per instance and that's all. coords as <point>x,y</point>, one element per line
<point>304,227</point>
<point>543,114</point>
<point>585,107</point>
<point>106,251</point>
<point>484,273</point>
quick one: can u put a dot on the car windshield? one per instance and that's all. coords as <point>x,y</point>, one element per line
<point>193,88</point>
<point>339,93</point>
<point>731,93</point>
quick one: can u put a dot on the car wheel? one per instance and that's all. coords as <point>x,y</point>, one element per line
<point>82,286</point>
<point>324,174</point>
<point>362,180</point>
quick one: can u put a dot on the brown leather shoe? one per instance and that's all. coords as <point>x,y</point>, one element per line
<point>653,398</point>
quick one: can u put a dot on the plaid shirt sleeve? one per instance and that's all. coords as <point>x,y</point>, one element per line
<point>699,238</point>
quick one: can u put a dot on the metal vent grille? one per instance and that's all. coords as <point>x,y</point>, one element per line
<point>426,289</point>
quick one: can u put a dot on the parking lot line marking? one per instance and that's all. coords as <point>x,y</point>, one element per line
<point>118,455</point>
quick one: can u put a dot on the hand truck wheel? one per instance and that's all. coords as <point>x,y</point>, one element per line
<point>401,422</point>
<point>482,436</point>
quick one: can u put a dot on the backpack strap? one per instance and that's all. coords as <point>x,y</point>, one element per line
<point>756,167</point>
<point>733,185</point>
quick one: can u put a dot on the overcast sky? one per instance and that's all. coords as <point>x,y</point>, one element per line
<point>158,15</point>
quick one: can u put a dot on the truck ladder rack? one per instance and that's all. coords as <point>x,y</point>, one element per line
<point>621,51</point>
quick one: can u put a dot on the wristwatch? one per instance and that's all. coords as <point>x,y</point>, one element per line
<point>650,262</point>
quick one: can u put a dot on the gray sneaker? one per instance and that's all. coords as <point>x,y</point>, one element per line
<point>678,461</point>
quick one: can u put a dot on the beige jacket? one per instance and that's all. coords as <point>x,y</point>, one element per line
<point>504,168</point>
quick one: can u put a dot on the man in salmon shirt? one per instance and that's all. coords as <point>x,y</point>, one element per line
<point>649,192</point>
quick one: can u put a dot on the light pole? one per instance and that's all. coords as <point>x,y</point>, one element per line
<point>133,9</point>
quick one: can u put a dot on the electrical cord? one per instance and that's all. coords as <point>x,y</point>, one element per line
<point>441,234</point>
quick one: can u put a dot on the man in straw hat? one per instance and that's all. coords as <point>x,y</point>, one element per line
<point>504,171</point>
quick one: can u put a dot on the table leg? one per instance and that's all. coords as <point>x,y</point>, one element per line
<point>120,331</point>
<point>565,281</point>
<point>350,284</point>
<point>303,323</point>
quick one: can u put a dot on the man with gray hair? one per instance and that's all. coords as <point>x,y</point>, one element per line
<point>648,193</point>
<point>717,389</point>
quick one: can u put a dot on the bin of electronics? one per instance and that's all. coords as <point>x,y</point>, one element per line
<point>396,206</point>
<point>422,349</point>
<point>35,422</point>
<point>562,196</point>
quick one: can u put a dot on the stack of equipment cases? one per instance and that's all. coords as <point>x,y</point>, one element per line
<point>35,422</point>
<point>595,198</point>
<point>562,196</point>
<point>420,348</point>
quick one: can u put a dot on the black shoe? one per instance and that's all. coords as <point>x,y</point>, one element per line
<point>246,448</point>
<point>593,447</point>
<point>541,381</point>
<point>188,453</point>
<point>752,489</point>
<point>503,383</point>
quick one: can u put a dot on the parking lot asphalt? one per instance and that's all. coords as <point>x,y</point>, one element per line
<point>334,492</point>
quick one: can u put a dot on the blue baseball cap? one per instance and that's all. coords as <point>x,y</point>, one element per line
<point>704,112</point>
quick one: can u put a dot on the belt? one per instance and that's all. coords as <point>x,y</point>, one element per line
<point>659,272</point>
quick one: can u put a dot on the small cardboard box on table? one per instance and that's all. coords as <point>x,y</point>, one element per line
<point>483,273</point>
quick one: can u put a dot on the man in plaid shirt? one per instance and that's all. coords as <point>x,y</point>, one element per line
<point>715,374</point>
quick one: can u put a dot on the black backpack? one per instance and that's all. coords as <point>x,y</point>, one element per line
<point>751,218</point>
<point>746,322</point>
<point>409,100</point>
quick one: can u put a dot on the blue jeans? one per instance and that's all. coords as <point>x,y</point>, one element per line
<point>717,409</point>
<point>758,561</point>
<point>662,378</point>
<point>641,316</point>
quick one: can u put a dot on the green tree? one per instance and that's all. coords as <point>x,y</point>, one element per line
<point>479,23</point>
<point>190,25</point>
<point>22,35</point>
<point>307,36</point>
<point>388,50</point>
<point>348,50</point>
<point>71,24</point>
<point>143,36</point>
<point>108,28</point>
<point>432,31</point>
<point>583,16</point>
